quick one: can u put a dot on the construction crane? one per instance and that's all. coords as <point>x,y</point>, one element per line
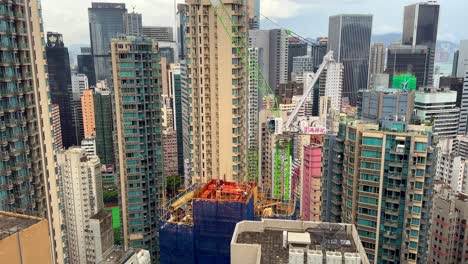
<point>284,130</point>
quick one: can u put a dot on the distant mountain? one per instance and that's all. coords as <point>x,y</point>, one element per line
<point>387,38</point>
<point>396,37</point>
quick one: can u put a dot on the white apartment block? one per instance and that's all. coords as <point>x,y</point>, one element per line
<point>334,84</point>
<point>82,197</point>
<point>89,146</point>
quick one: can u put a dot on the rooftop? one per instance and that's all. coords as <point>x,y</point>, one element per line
<point>218,190</point>
<point>11,223</point>
<point>272,241</point>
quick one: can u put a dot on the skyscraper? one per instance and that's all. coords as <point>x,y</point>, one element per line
<point>403,59</point>
<point>333,85</point>
<point>420,26</point>
<point>253,132</point>
<point>295,49</point>
<point>87,106</point>
<point>349,37</point>
<point>106,21</point>
<point>137,96</point>
<point>133,24</point>
<point>439,109</point>
<point>60,85</point>
<point>82,197</point>
<point>27,167</point>
<point>273,59</point>
<point>180,29</point>
<point>449,217</point>
<point>159,33</point>
<point>175,80</point>
<point>458,85</point>
<point>103,122</point>
<point>319,50</point>
<point>300,65</point>
<point>55,115</point>
<point>386,194</point>
<point>254,14</point>
<point>86,65</point>
<point>79,85</point>
<point>462,59</point>
<point>377,59</point>
<point>218,87</point>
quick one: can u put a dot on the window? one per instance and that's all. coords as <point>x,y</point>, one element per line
<point>368,200</point>
<point>372,141</point>
<point>366,234</point>
<point>368,223</point>
<point>419,146</point>
<point>371,154</point>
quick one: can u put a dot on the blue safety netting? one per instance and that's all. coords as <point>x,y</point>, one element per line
<point>176,243</point>
<point>214,224</point>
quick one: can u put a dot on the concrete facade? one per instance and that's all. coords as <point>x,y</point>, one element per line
<point>82,197</point>
<point>24,239</point>
<point>219,114</point>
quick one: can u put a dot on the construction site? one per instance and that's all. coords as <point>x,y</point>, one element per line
<point>197,225</point>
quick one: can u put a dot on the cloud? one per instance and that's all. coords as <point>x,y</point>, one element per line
<point>280,8</point>
<point>70,17</point>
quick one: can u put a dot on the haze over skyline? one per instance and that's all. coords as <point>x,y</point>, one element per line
<point>306,17</point>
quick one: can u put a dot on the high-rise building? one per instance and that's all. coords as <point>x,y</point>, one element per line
<point>86,65</point>
<point>175,82</point>
<point>349,37</point>
<point>254,14</point>
<point>295,49</point>
<point>169,145</point>
<point>438,108</point>
<point>187,116</point>
<point>319,50</point>
<point>274,59</point>
<point>452,163</point>
<point>99,237</point>
<point>181,22</point>
<point>219,115</point>
<point>133,24</point>
<point>332,86</point>
<point>24,239</point>
<point>449,217</point>
<point>60,85</point>
<point>462,59</point>
<point>457,84</point>
<point>377,59</point>
<point>456,55</point>
<point>389,104</point>
<point>159,33</point>
<point>300,65</point>
<point>89,146</point>
<point>82,197</point>
<point>87,106</point>
<point>137,97</point>
<point>253,115</point>
<point>27,167</point>
<point>385,194</point>
<point>420,26</point>
<point>103,123</point>
<point>79,86</point>
<point>55,115</point>
<point>106,21</point>
<point>403,59</point>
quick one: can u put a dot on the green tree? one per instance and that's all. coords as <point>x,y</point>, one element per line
<point>110,197</point>
<point>173,184</point>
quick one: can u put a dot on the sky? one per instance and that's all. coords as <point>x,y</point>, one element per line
<point>308,18</point>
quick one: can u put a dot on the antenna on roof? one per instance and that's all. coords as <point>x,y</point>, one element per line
<point>133,8</point>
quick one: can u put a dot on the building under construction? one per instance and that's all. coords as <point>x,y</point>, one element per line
<point>198,224</point>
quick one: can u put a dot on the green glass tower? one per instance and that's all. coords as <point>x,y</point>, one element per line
<point>137,95</point>
<point>103,121</point>
<point>386,184</point>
